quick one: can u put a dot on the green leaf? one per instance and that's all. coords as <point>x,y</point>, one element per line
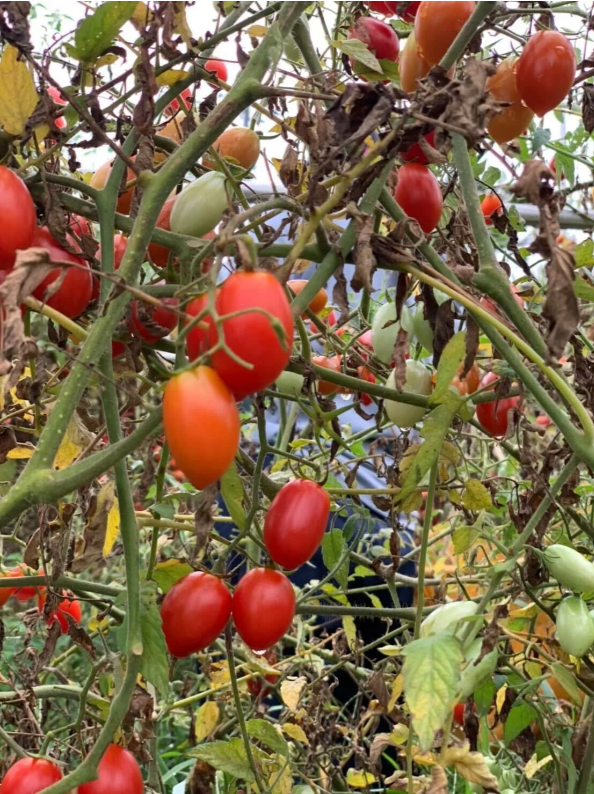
<point>518,719</point>
<point>515,219</point>
<point>565,164</point>
<point>450,360</point>
<point>232,493</point>
<point>483,697</point>
<point>333,549</point>
<point>491,176</point>
<point>540,137</point>
<point>358,50</point>
<point>167,573</point>
<point>567,681</point>
<point>155,664</point>
<point>431,673</point>
<point>583,289</point>
<point>164,510</point>
<point>97,31</point>
<point>584,254</point>
<point>265,732</point>
<point>390,70</point>
<point>229,757</point>
<point>350,630</point>
<point>464,538</point>
<point>476,496</point>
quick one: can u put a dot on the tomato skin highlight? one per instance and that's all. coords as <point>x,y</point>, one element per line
<point>545,71</point>
<point>118,772</point>
<point>489,205</point>
<point>74,294</point>
<point>513,120</point>
<point>263,608</point>
<point>201,424</point>
<point>296,522</point>
<point>378,37</point>
<point>141,313</point>
<point>438,24</point>
<point>17,217</point>
<point>194,613</point>
<point>30,776</point>
<point>419,194</point>
<point>493,416</point>
<point>251,336</point>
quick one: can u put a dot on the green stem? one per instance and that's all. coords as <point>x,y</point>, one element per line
<point>427,524</point>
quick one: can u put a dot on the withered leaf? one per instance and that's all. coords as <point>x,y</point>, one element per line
<point>561,305</point>
<point>360,109</point>
<point>95,530</point>
<point>377,684</point>
<point>203,517</point>
<point>144,111</point>
<point>365,263</point>
<point>472,344</point>
<point>536,184</point>
<point>588,107</point>
<point>80,637</point>
<point>439,782</point>
<point>399,358</point>
<point>444,329</point>
<point>339,292</point>
<point>289,168</point>
<point>7,442</point>
<point>14,25</point>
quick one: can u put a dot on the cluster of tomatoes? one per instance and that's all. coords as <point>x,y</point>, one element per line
<point>68,608</point>
<point>198,607</point>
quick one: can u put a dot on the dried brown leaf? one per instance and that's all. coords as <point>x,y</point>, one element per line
<point>471,766</point>
<point>536,184</point>
<point>472,345</point>
<point>438,783</point>
<point>340,296</point>
<point>377,684</point>
<point>95,530</point>
<point>361,109</point>
<point>401,348</point>
<point>365,263</point>
<point>204,517</point>
<point>7,442</point>
<point>561,305</point>
<point>289,168</point>
<point>588,107</point>
<point>444,329</point>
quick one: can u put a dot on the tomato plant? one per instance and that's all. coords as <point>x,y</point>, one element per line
<point>118,773</point>
<point>295,523</point>
<point>514,119</point>
<point>491,205</point>
<point>151,323</point>
<point>438,24</point>
<point>17,217</point>
<point>194,613</point>
<point>419,195</point>
<point>69,606</point>
<point>30,776</point>
<point>378,37</point>
<point>260,332</point>
<point>263,608</point>
<point>494,416</point>
<point>545,71</point>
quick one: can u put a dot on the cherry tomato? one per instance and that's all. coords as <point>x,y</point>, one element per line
<point>174,106</point>
<point>151,323</point>
<point>543,421</point>
<point>118,773</point>
<point>378,37</point>
<point>368,377</point>
<point>334,364</point>
<point>438,24</point>
<point>296,522</point>
<point>60,121</point>
<point>255,686</point>
<point>419,194</point>
<point>458,712</point>
<point>201,424</point>
<point>74,294</point>
<point>69,606</point>
<point>251,335</point>
<point>470,383</point>
<point>27,592</point>
<point>30,776</point>
<point>219,68</point>
<point>120,243</point>
<point>494,416</point>
<point>513,120</point>
<point>319,300</point>
<point>415,154</point>
<point>545,71</point>
<point>197,338</point>
<point>194,612</point>
<point>17,217</point>
<point>101,176</point>
<point>489,205</point>
<point>263,608</point>
<point>239,145</point>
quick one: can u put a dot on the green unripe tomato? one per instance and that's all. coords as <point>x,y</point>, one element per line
<point>383,335</point>
<point>290,383</point>
<point>446,617</point>
<point>422,329</point>
<point>474,674</point>
<point>418,381</point>
<point>569,568</point>
<point>574,626</point>
<point>493,766</point>
<point>200,206</point>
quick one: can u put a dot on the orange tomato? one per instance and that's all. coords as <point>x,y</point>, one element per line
<point>513,120</point>
<point>438,24</point>
<point>319,300</point>
<point>489,205</point>
<point>238,144</point>
<point>101,176</point>
<point>172,130</point>
<point>413,67</point>
<point>334,364</point>
<point>470,383</point>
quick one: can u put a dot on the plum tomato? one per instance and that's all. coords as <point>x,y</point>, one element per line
<point>295,523</point>
<point>263,608</point>
<point>79,226</point>
<point>194,613</point>
<point>197,338</point>
<point>30,776</point>
<point>418,381</point>
<point>118,773</point>
<point>262,341</point>
<point>470,383</point>
<point>514,119</point>
<point>69,606</point>
<point>151,323</point>
<point>419,194</point>
<point>319,300</point>
<point>27,592</point>
<point>438,24</point>
<point>415,154</point>
<point>489,205</point>
<point>200,205</point>
<point>17,217</point>
<point>201,424</point>
<point>74,293</point>
<point>333,363</point>
<point>120,243</point>
<point>173,107</point>
<point>368,377</point>
<point>545,71</point>
<point>494,416</point>
<point>238,144</point>
<point>101,176</point>
<point>218,68</point>
<point>378,37</point>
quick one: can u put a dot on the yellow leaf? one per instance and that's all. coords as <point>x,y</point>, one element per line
<point>95,625</point>
<point>350,630</point>
<point>500,700</point>
<point>206,720</point>
<point>424,759</point>
<point>397,687</point>
<point>171,77</point>
<point>534,765</point>
<point>390,650</point>
<point>181,24</point>
<point>358,778</point>
<point>291,689</point>
<point>141,16</point>
<point>257,31</point>
<point>295,732</point>
<point>476,496</point>
<point>399,735</point>
<point>21,452</point>
<point>280,780</point>
<point>18,97</point>
<point>470,765</point>
<point>113,527</point>
<point>533,669</point>
<point>219,675</point>
<point>76,438</point>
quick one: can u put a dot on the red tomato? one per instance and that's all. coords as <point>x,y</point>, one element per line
<point>69,606</point>
<point>384,7</point>
<point>219,68</point>
<point>410,11</point>
<point>368,377</point>
<point>489,205</point>
<point>30,776</point>
<point>79,226</point>
<point>101,176</point>
<point>334,364</point>
<point>197,338</point>
<point>17,217</point>
<point>74,294</point>
<point>158,253</point>
<point>201,424</point>
<point>120,243</point>
<point>489,304</point>
<point>296,522</point>
<point>514,119</point>
<point>330,320</point>
<point>263,608</point>
<point>470,383</point>
<point>173,106</point>
<point>254,685</point>
<point>319,300</point>
<point>543,421</point>
<point>458,712</point>
<point>117,348</point>
<point>194,612</point>
<point>251,335</point>
<point>60,122</point>
<point>415,154</point>
<point>151,323</point>
<point>27,592</point>
<point>438,24</point>
<point>494,416</point>
<point>237,144</point>
<point>419,194</point>
<point>545,71</point>
<point>378,37</point>
<point>118,773</point>
<point>366,340</point>
<point>5,592</point>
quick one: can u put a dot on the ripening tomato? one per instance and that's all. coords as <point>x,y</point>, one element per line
<point>101,176</point>
<point>514,119</point>
<point>295,523</point>
<point>118,349</point>
<point>218,68</point>
<point>378,37</point>
<point>120,243</point>
<point>151,323</point>
<point>458,712</point>
<point>494,416</point>
<point>545,71</point>
<point>490,304</point>
<point>319,300</point>
<point>118,773</point>
<point>69,606</point>
<point>415,154</point>
<point>330,320</point>
<point>60,121</point>
<point>194,612</point>
<point>27,592</point>
<point>201,424</point>
<point>489,205</point>
<point>81,226</point>
<point>263,608</point>
<point>251,335</point>
<point>412,66</point>
<point>74,294</point>
<point>238,144</point>
<point>30,776</point>
<point>470,383</point>
<point>174,106</point>
<point>254,685</point>
<point>384,7</point>
<point>438,24</point>
<point>197,338</point>
<point>366,340</point>
<point>5,592</point>
<point>200,205</point>
<point>409,11</point>
<point>543,421</point>
<point>334,364</point>
<point>419,194</point>
<point>159,254</point>
<point>368,377</point>
<point>17,217</point>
